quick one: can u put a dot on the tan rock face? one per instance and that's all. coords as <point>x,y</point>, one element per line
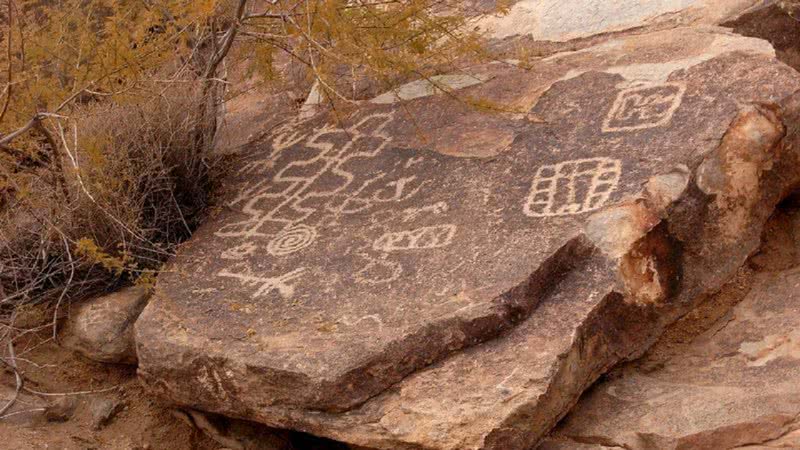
<point>561,20</point>
<point>371,285</point>
<point>102,328</point>
<point>735,386</point>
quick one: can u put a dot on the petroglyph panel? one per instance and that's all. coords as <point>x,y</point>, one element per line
<point>296,192</point>
<point>315,183</point>
<point>572,187</point>
<point>643,107</point>
<point>371,266</point>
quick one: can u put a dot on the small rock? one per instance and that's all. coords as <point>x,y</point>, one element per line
<point>61,409</point>
<point>103,411</point>
<point>102,329</point>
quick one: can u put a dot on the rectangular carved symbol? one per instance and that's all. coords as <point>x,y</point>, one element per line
<point>421,238</point>
<point>644,107</point>
<point>572,187</point>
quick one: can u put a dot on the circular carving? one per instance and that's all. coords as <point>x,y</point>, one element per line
<point>291,240</point>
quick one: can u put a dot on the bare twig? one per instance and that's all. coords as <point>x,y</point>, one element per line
<point>64,291</point>
<point>67,394</point>
<point>19,380</point>
<point>10,86</point>
<point>24,411</point>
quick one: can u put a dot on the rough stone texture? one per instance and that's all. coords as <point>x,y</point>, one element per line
<point>736,385</point>
<point>562,20</point>
<point>61,409</point>
<point>102,328</point>
<point>104,409</point>
<point>424,88</point>
<point>437,277</point>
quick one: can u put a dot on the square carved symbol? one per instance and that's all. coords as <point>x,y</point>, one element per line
<point>572,187</point>
<point>644,107</point>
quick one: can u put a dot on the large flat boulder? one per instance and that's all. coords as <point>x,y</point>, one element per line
<point>563,20</point>
<point>735,386</point>
<point>430,275</point>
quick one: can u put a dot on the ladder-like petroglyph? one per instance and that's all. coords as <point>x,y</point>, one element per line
<point>572,187</point>
<point>421,238</point>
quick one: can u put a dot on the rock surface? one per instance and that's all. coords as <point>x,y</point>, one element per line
<point>735,386</point>
<point>102,328</point>
<point>562,20</point>
<point>436,277</point>
<point>104,409</point>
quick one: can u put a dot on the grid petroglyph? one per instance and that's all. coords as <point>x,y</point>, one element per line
<point>572,187</point>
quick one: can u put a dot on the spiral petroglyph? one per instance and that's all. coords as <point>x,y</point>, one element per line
<point>292,240</point>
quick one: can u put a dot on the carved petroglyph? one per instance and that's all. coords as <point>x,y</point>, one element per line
<point>316,185</point>
<point>291,240</point>
<point>266,284</point>
<point>421,238</point>
<point>572,187</point>
<point>240,251</point>
<point>212,381</point>
<point>378,190</point>
<point>378,271</point>
<point>412,213</point>
<point>644,107</point>
<point>295,192</point>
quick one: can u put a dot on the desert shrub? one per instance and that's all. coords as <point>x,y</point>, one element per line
<point>108,111</point>
<point>137,180</point>
<point>792,7</point>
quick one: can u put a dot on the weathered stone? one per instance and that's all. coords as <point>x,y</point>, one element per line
<point>61,409</point>
<point>104,409</point>
<point>102,328</point>
<point>560,20</point>
<point>736,385</point>
<point>424,88</point>
<point>376,286</point>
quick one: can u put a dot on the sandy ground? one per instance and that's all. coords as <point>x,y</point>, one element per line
<point>141,423</point>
